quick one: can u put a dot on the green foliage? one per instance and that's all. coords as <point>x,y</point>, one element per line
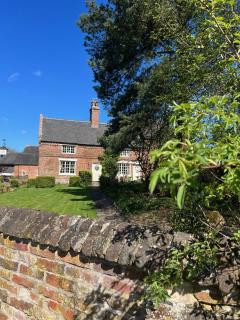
<point>14,183</point>
<point>1,187</point>
<point>85,178</point>
<point>109,166</point>
<point>106,182</point>
<point>236,237</point>
<point>208,141</point>
<point>189,221</point>
<point>74,181</point>
<point>171,275</point>
<point>45,182</point>
<point>150,62</point>
<point>1,178</point>
<point>191,262</point>
<point>131,197</point>
<point>31,183</point>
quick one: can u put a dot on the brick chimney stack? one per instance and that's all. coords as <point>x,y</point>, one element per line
<point>40,126</point>
<point>94,114</point>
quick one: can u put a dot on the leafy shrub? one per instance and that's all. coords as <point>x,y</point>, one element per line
<point>85,178</point>
<point>138,203</point>
<point>1,179</point>
<point>209,149</point>
<point>131,198</point>
<point>14,183</point>
<point>107,181</point>
<point>109,165</point>
<point>1,187</point>
<point>190,221</point>
<point>45,182</point>
<point>31,183</point>
<point>74,182</point>
<point>191,262</point>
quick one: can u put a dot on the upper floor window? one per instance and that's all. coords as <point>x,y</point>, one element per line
<point>125,153</point>
<point>68,149</point>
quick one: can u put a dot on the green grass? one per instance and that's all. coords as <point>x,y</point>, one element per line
<point>60,199</point>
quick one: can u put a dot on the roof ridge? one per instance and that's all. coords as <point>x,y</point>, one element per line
<point>81,121</point>
<point>65,120</point>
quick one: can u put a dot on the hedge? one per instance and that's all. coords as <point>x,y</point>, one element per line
<point>85,178</point>
<point>14,183</point>
<point>31,183</point>
<point>74,181</point>
<point>45,182</point>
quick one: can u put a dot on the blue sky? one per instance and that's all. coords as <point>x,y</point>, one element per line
<point>43,67</point>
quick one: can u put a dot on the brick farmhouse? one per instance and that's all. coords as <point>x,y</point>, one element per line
<point>65,148</point>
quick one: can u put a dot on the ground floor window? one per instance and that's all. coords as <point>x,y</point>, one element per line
<point>67,167</point>
<point>123,169</point>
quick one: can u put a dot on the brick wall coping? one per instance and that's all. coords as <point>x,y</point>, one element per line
<point>113,241</point>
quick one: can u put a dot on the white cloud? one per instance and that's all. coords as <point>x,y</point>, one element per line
<point>13,77</point>
<point>23,131</point>
<point>38,73</point>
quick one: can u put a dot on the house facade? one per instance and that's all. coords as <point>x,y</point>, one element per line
<point>67,147</point>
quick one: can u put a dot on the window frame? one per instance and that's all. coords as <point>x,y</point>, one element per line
<point>67,173</point>
<point>68,146</point>
<point>125,153</point>
<point>122,172</point>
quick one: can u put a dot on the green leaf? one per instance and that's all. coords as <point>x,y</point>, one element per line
<point>154,180</point>
<point>181,196</point>
<point>182,169</point>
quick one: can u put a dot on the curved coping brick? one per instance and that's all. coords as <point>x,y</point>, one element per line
<point>116,242</point>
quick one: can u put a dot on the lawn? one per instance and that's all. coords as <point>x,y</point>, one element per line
<point>60,200</point>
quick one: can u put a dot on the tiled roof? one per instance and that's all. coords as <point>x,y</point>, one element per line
<point>31,149</point>
<point>72,132</point>
<point>24,158</point>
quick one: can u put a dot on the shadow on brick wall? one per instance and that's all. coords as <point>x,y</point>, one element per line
<point>102,305</point>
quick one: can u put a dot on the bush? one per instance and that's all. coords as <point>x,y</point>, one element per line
<point>74,182</point>
<point>104,181</point>
<point>31,183</point>
<point>1,187</point>
<point>131,197</point>
<point>1,179</point>
<point>14,183</point>
<point>45,182</point>
<point>109,162</point>
<point>85,178</point>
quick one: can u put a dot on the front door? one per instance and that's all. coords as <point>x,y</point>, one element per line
<point>96,172</point>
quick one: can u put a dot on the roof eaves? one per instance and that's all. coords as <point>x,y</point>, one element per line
<point>70,143</point>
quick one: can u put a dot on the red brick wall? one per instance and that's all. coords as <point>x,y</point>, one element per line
<point>30,171</point>
<point>94,114</point>
<point>39,283</point>
<point>49,155</point>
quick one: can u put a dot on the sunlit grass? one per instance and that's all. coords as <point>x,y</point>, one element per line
<point>60,200</point>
